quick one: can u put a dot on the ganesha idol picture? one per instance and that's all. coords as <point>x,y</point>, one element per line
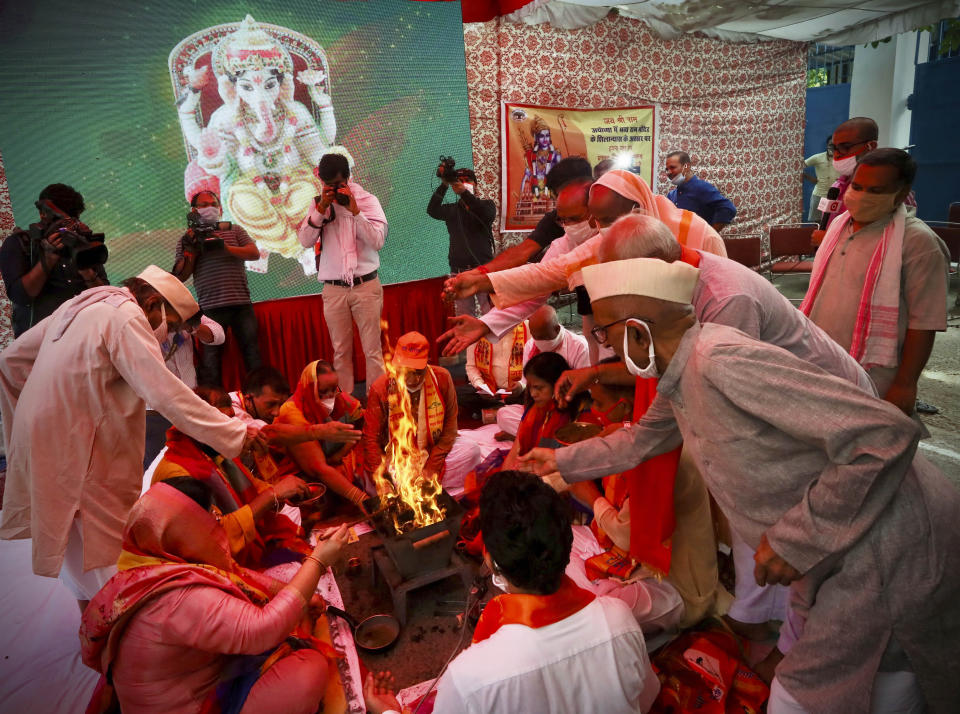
<point>254,106</point>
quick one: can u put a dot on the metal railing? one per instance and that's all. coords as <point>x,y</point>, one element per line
<point>827,64</point>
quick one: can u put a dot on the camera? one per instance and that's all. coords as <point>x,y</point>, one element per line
<point>337,196</point>
<point>81,246</point>
<point>203,232</point>
<point>446,169</point>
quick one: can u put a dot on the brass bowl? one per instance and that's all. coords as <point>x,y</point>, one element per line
<point>576,431</point>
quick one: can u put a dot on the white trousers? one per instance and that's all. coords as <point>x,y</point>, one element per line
<point>461,460</point>
<point>83,584</point>
<point>893,693</point>
<point>509,417</point>
<point>754,604</point>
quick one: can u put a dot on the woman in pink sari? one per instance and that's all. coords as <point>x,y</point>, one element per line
<point>166,630</point>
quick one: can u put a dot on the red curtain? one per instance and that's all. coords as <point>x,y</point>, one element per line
<point>483,10</point>
<point>292,331</point>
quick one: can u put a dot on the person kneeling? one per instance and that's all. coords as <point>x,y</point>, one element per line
<point>182,627</point>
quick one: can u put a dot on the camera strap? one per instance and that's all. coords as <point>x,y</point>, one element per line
<point>318,246</point>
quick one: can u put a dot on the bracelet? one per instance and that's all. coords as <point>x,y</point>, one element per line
<point>276,501</point>
<point>315,559</point>
<point>596,374</point>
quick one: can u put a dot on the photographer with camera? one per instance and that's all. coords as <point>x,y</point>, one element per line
<point>469,224</point>
<point>213,252</point>
<point>346,227</point>
<point>53,260</point>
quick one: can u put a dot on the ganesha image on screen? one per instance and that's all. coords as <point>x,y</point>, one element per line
<point>254,106</point>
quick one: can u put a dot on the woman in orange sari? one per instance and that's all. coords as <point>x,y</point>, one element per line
<point>166,631</point>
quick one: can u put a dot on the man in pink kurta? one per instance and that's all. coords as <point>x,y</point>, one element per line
<point>72,392</point>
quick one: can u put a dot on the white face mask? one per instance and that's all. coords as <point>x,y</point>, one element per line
<point>328,403</point>
<point>579,232</point>
<point>648,372</point>
<point>498,580</point>
<point>868,207</point>
<point>678,179</point>
<point>209,214</point>
<point>845,167</point>
<point>550,345</point>
<point>162,330</point>
<point>468,187</point>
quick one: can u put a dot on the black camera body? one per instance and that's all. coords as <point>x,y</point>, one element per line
<point>203,232</point>
<point>337,196</point>
<point>446,169</point>
<point>81,246</point>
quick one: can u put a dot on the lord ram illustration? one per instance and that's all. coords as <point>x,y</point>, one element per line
<point>256,113</point>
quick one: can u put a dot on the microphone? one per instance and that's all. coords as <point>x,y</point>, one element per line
<point>828,206</point>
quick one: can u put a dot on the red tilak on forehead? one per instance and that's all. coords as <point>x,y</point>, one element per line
<point>258,80</point>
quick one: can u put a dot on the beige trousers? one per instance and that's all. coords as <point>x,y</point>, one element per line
<point>342,307</point>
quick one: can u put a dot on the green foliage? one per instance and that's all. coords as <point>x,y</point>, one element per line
<point>817,77</point>
<point>951,39</point>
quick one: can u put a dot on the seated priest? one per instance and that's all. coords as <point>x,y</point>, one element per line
<point>545,645</point>
<point>601,559</point>
<point>820,477</point>
<point>432,400</point>
<point>249,508</point>
<point>293,442</point>
<point>497,367</point>
<point>182,627</point>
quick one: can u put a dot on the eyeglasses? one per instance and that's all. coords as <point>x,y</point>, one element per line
<point>600,331</point>
<point>845,149</point>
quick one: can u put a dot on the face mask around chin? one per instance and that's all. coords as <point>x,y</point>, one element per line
<point>648,372</point>
<point>328,403</point>
<point>868,207</point>
<point>468,187</point>
<point>678,179</point>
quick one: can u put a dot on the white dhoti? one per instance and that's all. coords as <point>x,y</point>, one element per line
<point>753,603</point>
<point>893,693</point>
<point>657,605</point>
<point>509,417</point>
<point>461,460</point>
<point>83,584</point>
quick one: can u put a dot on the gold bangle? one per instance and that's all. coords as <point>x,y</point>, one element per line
<point>596,374</point>
<point>315,559</point>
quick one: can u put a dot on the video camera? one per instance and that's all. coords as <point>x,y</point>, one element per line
<point>203,231</point>
<point>81,246</point>
<point>337,196</point>
<point>446,170</point>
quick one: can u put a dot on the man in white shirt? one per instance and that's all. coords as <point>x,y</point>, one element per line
<point>347,228</point>
<point>545,645</point>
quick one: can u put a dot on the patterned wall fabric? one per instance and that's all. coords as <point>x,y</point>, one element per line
<point>737,109</point>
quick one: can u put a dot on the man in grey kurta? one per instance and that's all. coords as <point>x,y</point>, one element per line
<point>820,477</point>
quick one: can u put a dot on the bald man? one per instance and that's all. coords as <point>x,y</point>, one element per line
<point>548,335</point>
<point>830,492</point>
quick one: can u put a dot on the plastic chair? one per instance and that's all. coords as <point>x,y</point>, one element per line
<point>788,244</point>
<point>746,249</point>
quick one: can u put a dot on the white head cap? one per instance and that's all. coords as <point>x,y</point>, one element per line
<point>172,289</point>
<point>647,277</point>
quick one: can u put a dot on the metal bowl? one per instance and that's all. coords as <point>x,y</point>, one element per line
<point>576,431</point>
<point>317,492</point>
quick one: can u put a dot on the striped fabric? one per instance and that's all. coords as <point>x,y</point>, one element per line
<point>220,278</point>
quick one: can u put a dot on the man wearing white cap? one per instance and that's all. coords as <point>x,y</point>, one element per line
<point>613,195</point>
<point>72,393</point>
<point>830,492</point>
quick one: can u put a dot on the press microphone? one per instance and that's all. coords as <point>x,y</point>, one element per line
<point>828,206</point>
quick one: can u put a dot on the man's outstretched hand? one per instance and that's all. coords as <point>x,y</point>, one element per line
<point>464,331</point>
<point>542,462</point>
<point>466,284</point>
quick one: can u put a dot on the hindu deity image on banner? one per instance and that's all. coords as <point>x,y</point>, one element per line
<point>535,138</point>
<point>256,115</point>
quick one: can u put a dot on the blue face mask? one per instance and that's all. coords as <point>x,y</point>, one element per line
<point>678,179</point>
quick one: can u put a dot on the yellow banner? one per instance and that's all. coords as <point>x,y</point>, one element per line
<point>535,138</point>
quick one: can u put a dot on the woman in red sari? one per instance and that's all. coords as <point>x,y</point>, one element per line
<point>167,629</point>
<point>542,417</point>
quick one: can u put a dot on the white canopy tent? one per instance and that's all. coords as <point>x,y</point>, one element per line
<point>834,22</point>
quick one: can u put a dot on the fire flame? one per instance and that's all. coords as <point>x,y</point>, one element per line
<point>412,493</point>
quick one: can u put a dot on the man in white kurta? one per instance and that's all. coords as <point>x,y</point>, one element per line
<point>819,476</point>
<point>72,393</point>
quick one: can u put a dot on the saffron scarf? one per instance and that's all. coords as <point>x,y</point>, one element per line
<point>533,611</point>
<point>434,406</point>
<point>876,335</point>
<point>483,357</point>
<point>539,423</point>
